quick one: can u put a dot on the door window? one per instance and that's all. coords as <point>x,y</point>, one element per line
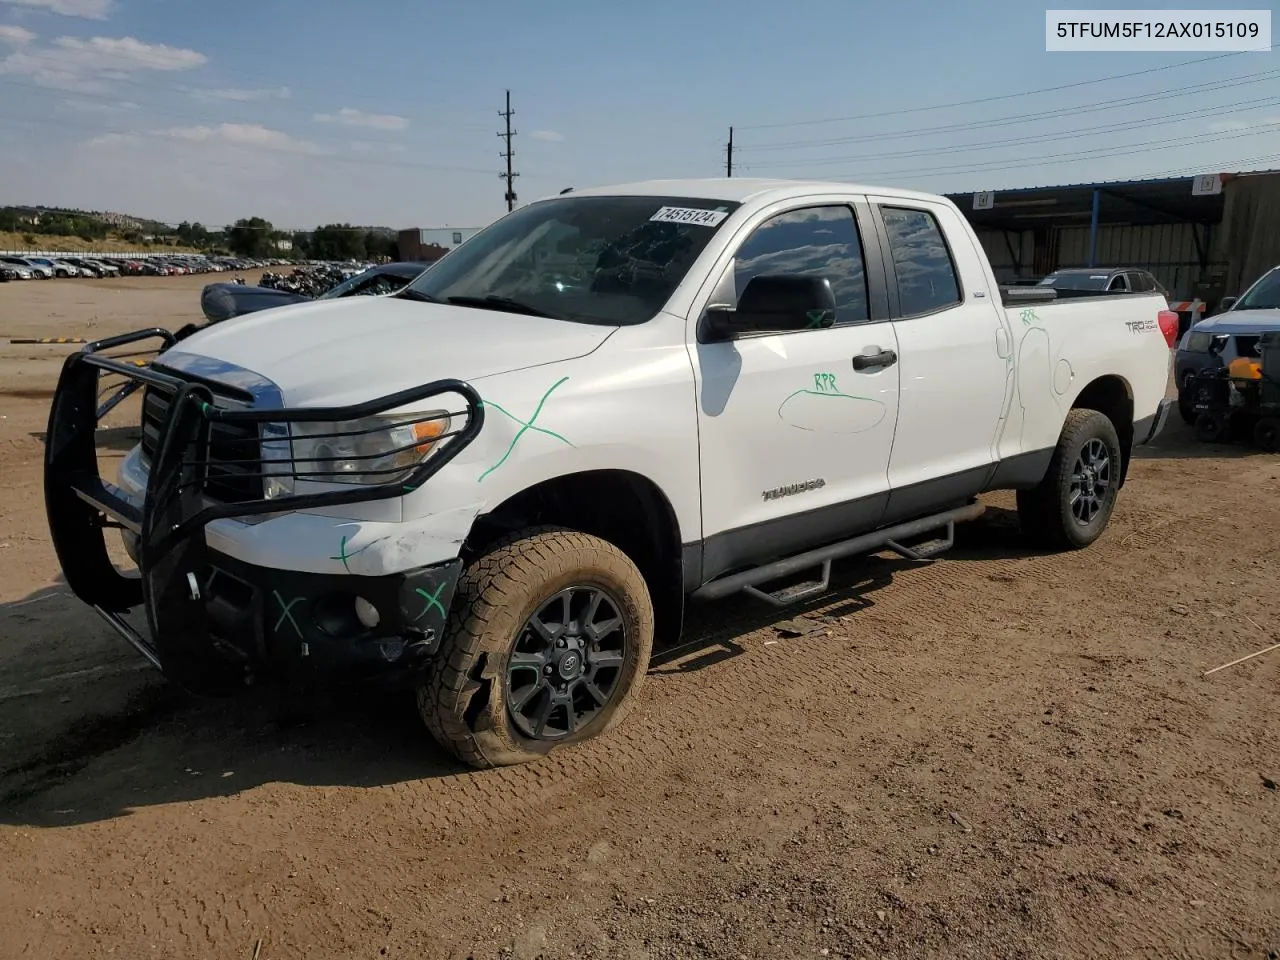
<point>812,242</point>
<point>927,280</point>
<point>1119,284</point>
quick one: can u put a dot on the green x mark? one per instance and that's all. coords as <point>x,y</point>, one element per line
<point>433,600</point>
<point>817,317</point>
<point>286,612</point>
<point>1028,317</point>
<point>523,427</point>
<point>343,555</point>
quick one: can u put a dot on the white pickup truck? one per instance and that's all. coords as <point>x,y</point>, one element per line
<point>500,484</point>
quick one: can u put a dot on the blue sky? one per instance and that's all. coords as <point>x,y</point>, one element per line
<point>387,113</point>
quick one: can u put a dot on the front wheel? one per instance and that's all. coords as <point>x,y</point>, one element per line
<point>1187,399</point>
<point>1073,503</point>
<point>547,644</point>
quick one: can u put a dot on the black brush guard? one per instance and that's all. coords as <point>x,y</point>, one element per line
<point>173,561</point>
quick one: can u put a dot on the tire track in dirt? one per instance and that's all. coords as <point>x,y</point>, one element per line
<point>707,710</point>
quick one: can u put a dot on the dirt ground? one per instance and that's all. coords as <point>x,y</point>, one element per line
<point>999,755</point>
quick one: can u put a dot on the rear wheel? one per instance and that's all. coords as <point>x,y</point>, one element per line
<point>1073,503</point>
<point>547,645</point>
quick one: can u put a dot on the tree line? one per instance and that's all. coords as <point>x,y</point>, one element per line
<point>252,237</point>
<point>256,238</point>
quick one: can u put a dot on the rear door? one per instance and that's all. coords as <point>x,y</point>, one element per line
<point>954,362</point>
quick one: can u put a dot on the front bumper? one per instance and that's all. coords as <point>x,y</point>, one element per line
<point>306,627</point>
<point>215,622</point>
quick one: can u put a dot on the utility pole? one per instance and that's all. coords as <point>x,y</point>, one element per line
<point>510,175</point>
<point>728,165</point>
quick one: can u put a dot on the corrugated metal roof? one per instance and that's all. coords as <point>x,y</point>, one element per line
<point>1149,201</point>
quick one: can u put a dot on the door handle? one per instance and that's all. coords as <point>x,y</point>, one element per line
<point>872,361</point>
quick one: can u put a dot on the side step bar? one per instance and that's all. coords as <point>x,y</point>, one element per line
<point>135,639</point>
<point>748,581</point>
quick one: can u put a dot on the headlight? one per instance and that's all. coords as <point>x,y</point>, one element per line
<point>382,449</point>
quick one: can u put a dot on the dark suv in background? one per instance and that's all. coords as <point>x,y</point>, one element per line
<point>1232,333</point>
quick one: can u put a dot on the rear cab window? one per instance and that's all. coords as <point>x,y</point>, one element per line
<point>926,271</point>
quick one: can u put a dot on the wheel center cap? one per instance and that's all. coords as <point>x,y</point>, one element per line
<point>570,665</point>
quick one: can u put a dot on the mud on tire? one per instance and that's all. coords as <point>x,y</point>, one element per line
<point>527,630</point>
<point>1073,503</point>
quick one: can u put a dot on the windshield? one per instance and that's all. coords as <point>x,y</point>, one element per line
<point>1076,281</point>
<point>1263,295</point>
<point>613,260</point>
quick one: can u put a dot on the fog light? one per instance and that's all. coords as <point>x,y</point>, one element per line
<point>367,613</point>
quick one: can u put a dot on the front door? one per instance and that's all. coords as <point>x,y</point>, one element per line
<point>794,436</point>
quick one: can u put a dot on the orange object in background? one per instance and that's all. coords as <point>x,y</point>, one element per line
<point>1244,368</point>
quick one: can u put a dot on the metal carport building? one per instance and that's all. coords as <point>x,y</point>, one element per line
<point>1202,237</point>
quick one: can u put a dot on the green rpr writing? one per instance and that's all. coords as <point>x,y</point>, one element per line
<point>825,383</point>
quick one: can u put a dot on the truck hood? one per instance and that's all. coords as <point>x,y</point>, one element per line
<point>1241,321</point>
<point>336,352</point>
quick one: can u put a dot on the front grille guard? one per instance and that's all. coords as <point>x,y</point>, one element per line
<point>80,504</point>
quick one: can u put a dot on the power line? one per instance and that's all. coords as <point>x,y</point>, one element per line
<point>1119,150</point>
<point>993,99</point>
<point>1118,103</point>
<point>1226,109</point>
<point>510,175</point>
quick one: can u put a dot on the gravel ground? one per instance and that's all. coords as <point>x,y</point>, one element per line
<point>1001,754</point>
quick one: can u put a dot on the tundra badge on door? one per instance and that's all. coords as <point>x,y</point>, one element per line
<point>793,488</point>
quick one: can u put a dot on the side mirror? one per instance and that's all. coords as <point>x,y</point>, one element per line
<point>776,304</point>
<point>1226,303</point>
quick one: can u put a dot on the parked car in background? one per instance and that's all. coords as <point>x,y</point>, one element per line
<point>87,267</point>
<point>39,271</point>
<point>1090,281</point>
<point>57,268</point>
<point>18,268</point>
<point>1232,333</point>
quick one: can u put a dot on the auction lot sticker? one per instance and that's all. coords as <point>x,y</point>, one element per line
<point>1168,31</point>
<point>703,218</point>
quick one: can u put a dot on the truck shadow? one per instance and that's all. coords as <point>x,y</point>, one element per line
<point>109,736</point>
<point>1178,442</point>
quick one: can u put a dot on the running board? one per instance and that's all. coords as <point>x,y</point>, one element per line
<point>748,581</point>
<point>925,551</point>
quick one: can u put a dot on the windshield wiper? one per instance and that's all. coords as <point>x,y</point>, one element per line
<point>492,302</point>
<point>408,293</point>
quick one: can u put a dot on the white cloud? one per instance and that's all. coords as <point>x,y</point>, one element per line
<point>87,9</point>
<point>550,136</point>
<point>372,146</point>
<point>358,118</point>
<point>115,140</point>
<point>251,135</point>
<point>73,63</point>
<point>15,35</point>
<point>101,106</point>
<point>238,95</point>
